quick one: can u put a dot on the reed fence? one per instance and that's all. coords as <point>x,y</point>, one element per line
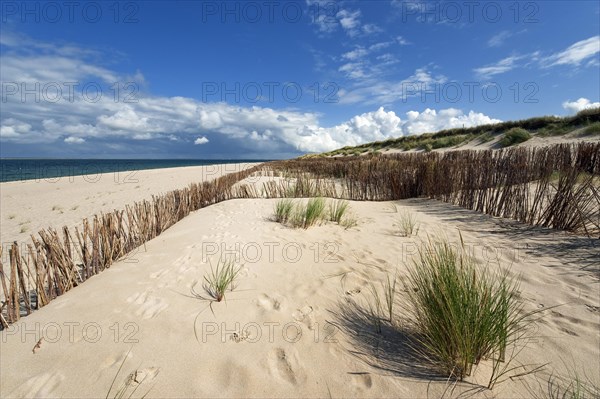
<point>53,263</point>
<point>556,186</point>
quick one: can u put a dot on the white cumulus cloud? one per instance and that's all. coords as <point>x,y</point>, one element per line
<point>13,128</point>
<point>431,120</point>
<point>579,105</point>
<point>381,124</point>
<point>251,129</point>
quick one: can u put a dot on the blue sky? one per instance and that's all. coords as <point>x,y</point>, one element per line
<point>274,79</point>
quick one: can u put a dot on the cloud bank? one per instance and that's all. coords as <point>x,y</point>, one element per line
<point>105,122</point>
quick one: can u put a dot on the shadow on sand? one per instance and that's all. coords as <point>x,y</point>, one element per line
<point>391,351</point>
<point>581,252</point>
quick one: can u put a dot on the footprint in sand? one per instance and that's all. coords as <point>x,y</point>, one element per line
<point>115,359</point>
<point>231,376</point>
<point>306,316</point>
<point>184,263</point>
<point>307,290</point>
<point>268,303</point>
<point>285,365</point>
<point>159,273</point>
<point>149,307</point>
<point>362,380</point>
<point>41,386</point>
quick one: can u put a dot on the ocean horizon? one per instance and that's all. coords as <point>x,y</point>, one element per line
<point>23,169</point>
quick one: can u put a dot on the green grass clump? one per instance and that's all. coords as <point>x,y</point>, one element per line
<point>375,309</point>
<point>389,290</point>
<point>450,141</point>
<point>592,130</point>
<point>382,310</point>
<point>308,215</point>
<point>315,208</point>
<point>283,210</point>
<point>220,279</point>
<point>290,190</point>
<point>430,144</point>
<point>348,222</point>
<point>514,136</point>
<point>573,387</point>
<point>461,313</point>
<point>486,137</point>
<point>408,224</point>
<point>337,210</point>
<point>553,130</point>
<point>298,215</point>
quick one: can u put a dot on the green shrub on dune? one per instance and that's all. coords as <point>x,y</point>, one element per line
<point>592,130</point>
<point>516,135</point>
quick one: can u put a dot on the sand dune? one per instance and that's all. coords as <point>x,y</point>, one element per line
<point>30,205</point>
<point>536,141</point>
<point>293,326</point>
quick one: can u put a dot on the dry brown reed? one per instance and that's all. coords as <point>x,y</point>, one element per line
<point>54,263</point>
<point>556,186</point>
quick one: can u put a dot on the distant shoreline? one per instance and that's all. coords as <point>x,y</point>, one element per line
<point>28,206</point>
<point>49,169</point>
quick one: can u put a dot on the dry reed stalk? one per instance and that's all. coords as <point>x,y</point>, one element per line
<point>6,293</point>
<point>514,183</point>
<point>14,305</point>
<point>18,260</point>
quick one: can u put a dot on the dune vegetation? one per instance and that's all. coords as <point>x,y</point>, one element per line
<point>545,126</point>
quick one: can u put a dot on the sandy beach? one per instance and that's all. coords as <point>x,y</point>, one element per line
<point>292,327</point>
<point>30,205</point>
<point>405,201</point>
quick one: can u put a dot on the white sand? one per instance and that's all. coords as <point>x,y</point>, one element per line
<point>293,282</point>
<point>30,205</point>
<point>535,141</point>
